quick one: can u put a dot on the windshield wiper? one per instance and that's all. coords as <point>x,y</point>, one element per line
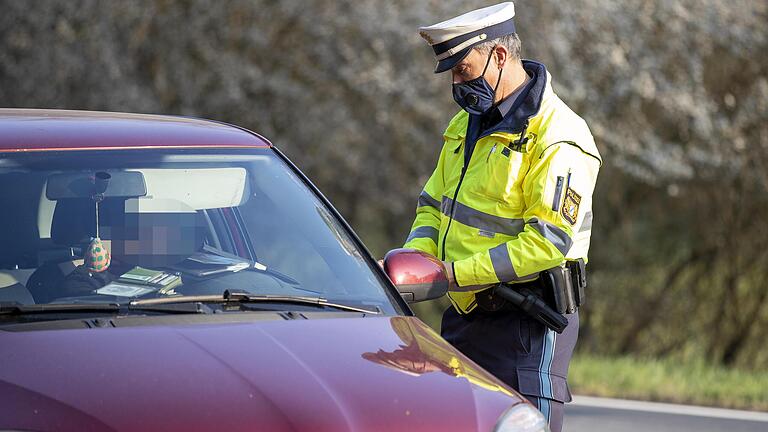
<point>16,308</point>
<point>244,298</point>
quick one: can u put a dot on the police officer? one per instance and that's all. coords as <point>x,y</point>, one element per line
<point>511,196</point>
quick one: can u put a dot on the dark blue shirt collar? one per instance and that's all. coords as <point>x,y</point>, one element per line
<point>512,114</point>
<point>509,102</point>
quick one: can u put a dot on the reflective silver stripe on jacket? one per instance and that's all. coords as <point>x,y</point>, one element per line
<point>586,224</point>
<point>554,234</point>
<point>482,221</point>
<point>427,201</point>
<point>502,265</point>
<point>423,232</point>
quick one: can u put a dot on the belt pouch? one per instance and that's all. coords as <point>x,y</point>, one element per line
<point>569,294</point>
<point>579,279</point>
<point>553,284</point>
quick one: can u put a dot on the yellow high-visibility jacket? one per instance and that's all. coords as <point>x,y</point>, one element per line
<point>521,205</point>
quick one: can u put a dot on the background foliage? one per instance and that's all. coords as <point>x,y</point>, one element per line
<point>676,93</point>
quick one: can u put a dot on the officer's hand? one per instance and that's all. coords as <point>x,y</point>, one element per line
<point>449,275</point>
<point>449,272</point>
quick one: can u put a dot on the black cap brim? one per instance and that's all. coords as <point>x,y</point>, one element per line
<point>449,62</point>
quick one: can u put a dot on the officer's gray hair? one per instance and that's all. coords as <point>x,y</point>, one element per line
<point>511,42</point>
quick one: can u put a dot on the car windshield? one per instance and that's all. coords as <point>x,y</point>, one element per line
<point>114,226</point>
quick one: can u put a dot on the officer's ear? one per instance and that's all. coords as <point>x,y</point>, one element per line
<point>500,55</point>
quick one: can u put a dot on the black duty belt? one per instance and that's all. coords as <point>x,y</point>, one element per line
<point>556,292</point>
<point>490,301</point>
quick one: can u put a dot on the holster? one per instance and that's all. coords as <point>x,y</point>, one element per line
<point>557,291</point>
<point>564,286</point>
<point>534,306</point>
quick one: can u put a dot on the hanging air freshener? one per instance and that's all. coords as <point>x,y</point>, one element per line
<point>97,258</point>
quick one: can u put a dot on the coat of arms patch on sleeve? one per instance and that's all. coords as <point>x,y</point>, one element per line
<point>570,210</point>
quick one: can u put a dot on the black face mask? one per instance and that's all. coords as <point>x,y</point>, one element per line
<point>476,96</point>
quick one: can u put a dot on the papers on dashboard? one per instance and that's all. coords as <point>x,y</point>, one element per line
<point>139,281</point>
<point>124,290</point>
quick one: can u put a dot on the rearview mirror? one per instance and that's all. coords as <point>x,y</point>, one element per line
<point>418,276</point>
<point>119,184</point>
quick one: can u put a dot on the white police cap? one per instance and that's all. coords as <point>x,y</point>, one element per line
<point>453,39</point>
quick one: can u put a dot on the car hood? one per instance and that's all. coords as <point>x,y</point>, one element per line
<point>382,373</point>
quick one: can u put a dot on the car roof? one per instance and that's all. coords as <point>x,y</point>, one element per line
<point>42,129</point>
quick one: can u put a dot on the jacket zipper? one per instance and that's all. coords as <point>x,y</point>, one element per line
<point>493,149</point>
<point>461,179</point>
<point>453,204</point>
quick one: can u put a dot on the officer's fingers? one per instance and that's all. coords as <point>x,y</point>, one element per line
<point>449,271</point>
<point>381,263</point>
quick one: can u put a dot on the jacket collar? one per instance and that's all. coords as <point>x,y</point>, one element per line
<point>528,103</point>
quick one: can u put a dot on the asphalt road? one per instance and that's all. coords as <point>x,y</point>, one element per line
<point>588,414</point>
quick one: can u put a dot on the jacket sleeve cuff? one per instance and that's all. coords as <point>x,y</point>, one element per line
<point>474,270</point>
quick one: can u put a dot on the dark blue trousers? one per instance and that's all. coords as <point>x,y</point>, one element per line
<point>521,352</point>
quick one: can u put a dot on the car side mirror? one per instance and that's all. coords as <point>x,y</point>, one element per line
<point>417,275</point>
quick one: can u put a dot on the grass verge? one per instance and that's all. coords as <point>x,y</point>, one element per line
<point>666,380</point>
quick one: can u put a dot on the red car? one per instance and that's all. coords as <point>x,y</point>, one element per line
<point>169,273</point>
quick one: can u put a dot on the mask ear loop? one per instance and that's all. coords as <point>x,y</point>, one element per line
<point>498,81</point>
<point>501,70</point>
<point>487,62</point>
